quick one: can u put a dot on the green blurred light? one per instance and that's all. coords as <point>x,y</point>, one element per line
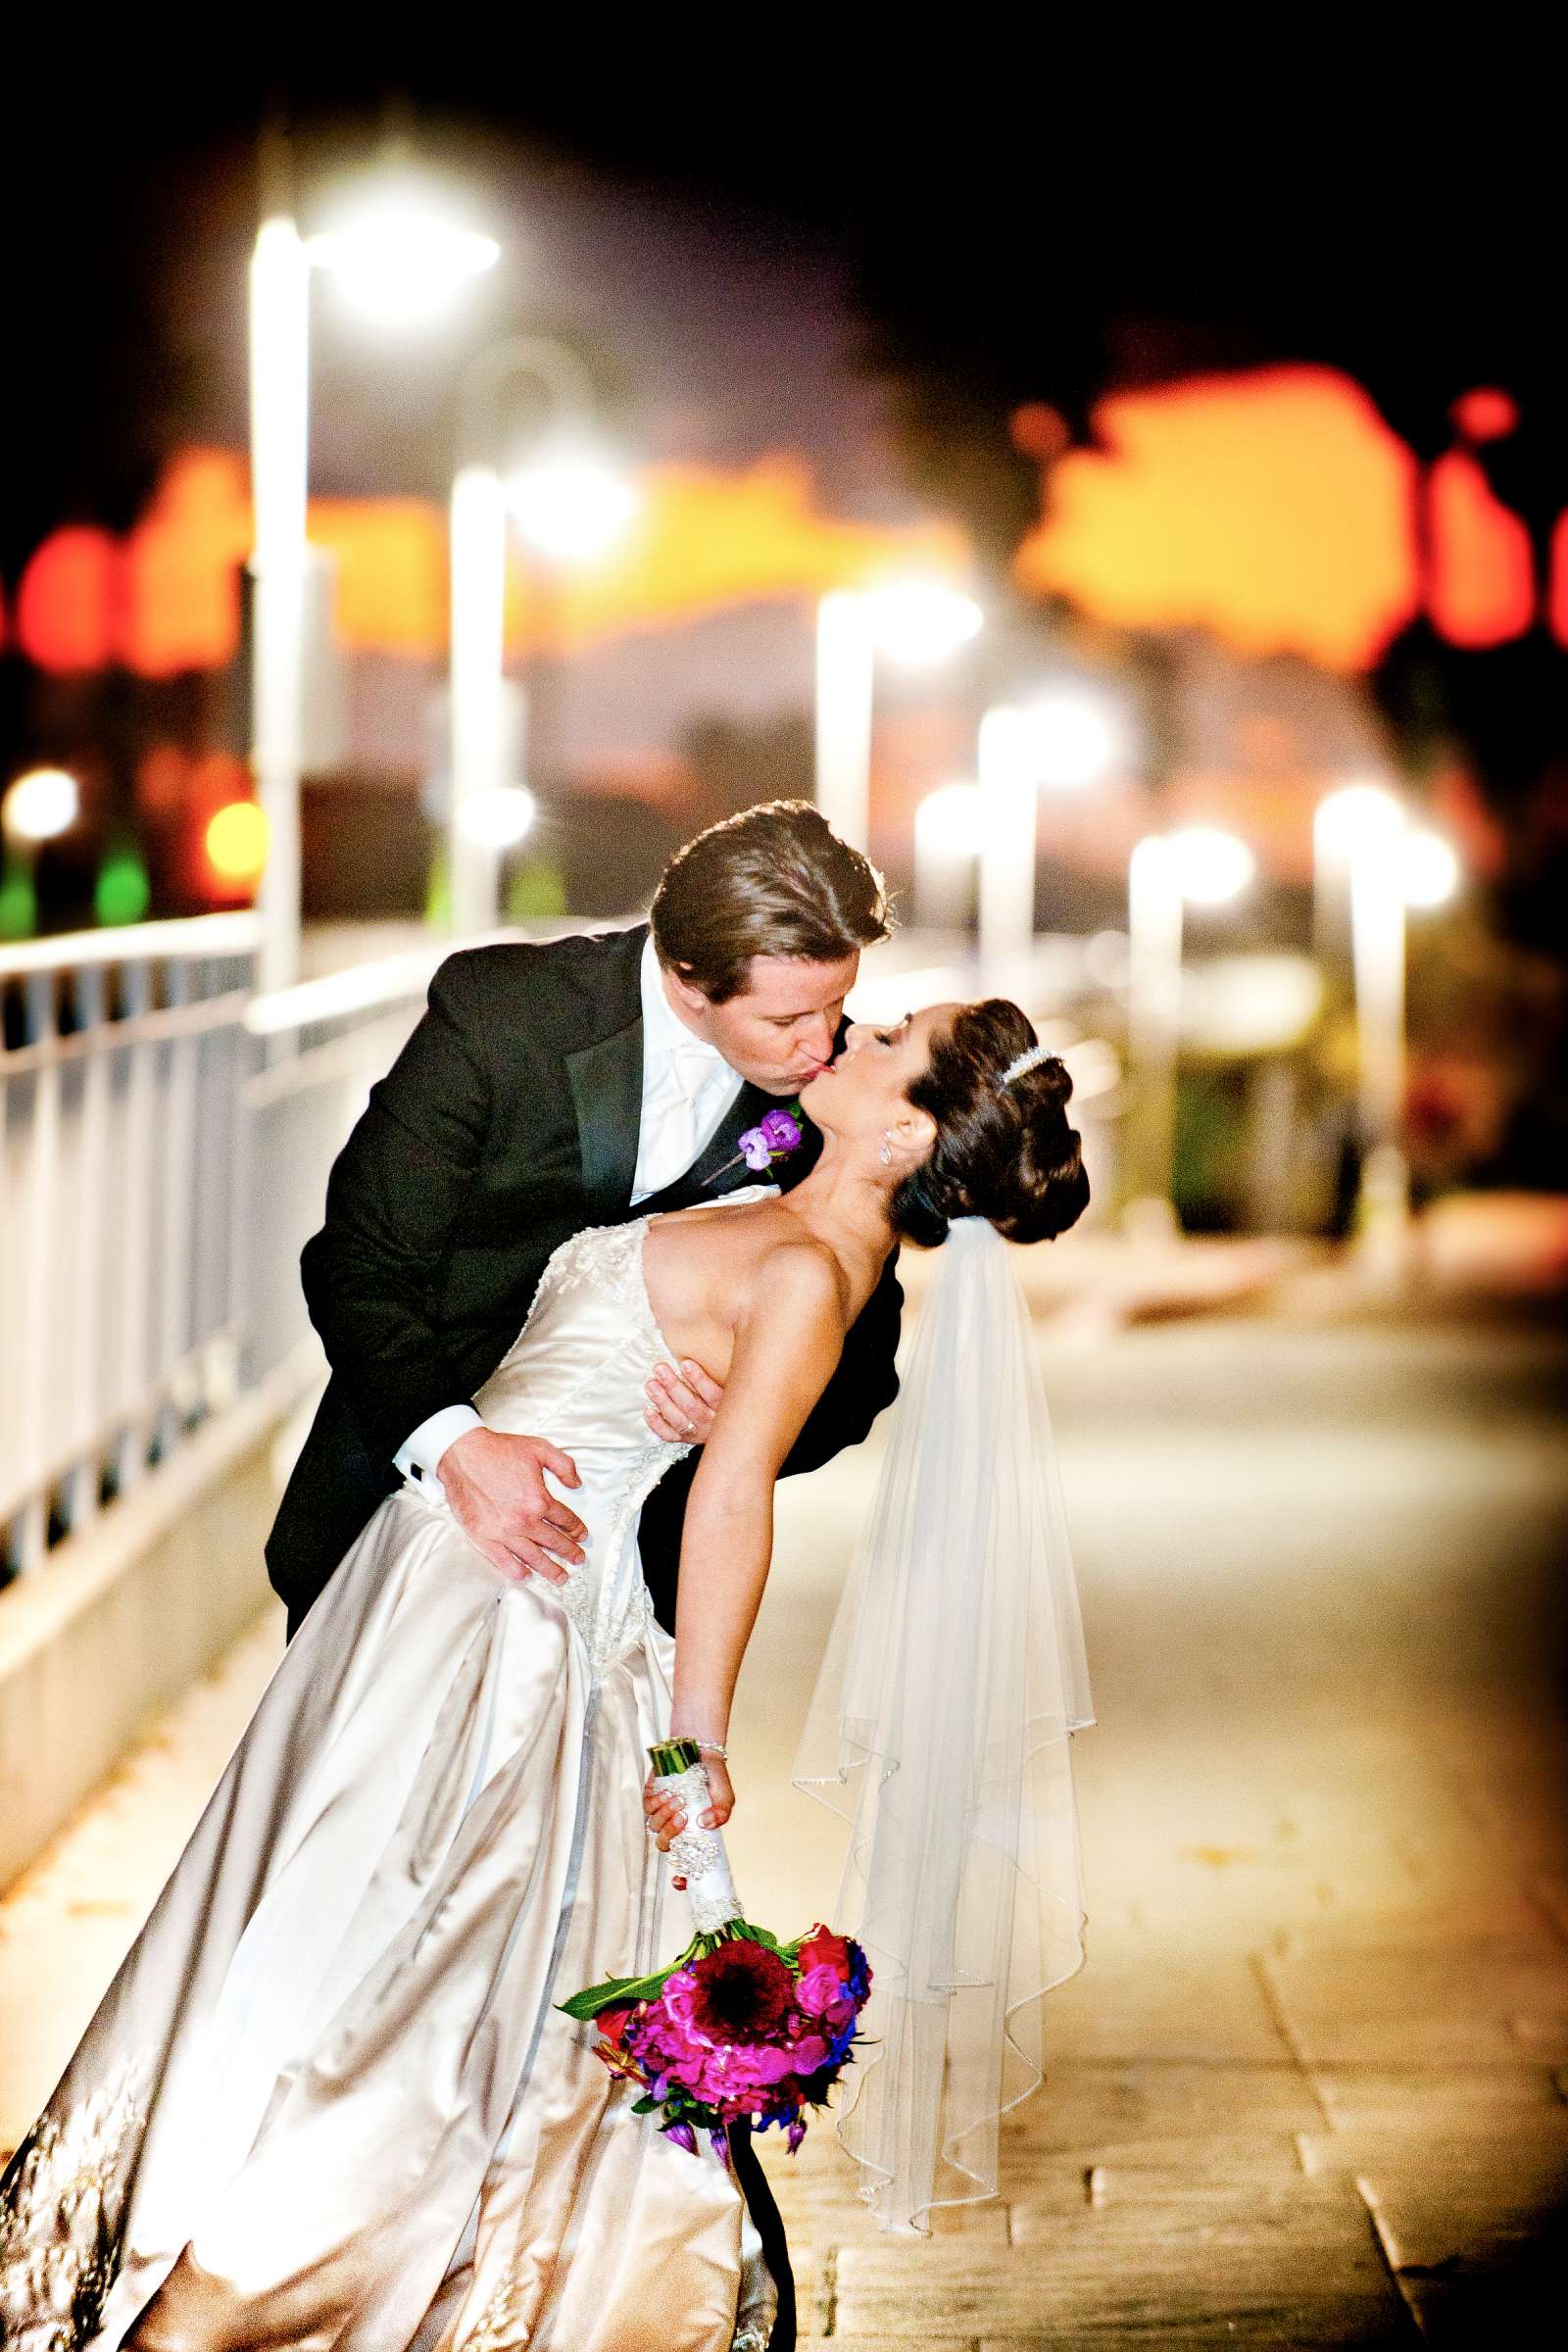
<point>123,893</point>
<point>438,891</point>
<point>19,904</point>
<point>533,890</point>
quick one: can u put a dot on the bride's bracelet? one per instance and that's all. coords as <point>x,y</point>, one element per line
<point>704,1747</point>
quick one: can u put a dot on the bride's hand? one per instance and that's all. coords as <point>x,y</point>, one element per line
<point>667,1816</point>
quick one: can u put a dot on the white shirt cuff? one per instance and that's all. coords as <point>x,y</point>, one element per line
<point>419,1456</point>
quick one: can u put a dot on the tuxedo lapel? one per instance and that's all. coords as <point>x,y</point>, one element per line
<point>606,1093</point>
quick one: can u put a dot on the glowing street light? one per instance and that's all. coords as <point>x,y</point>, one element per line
<point>1066,740</point>
<point>1078,737</point>
<point>499,817</point>
<point>948,829</point>
<point>394,253</point>
<point>40,806</point>
<point>1366,851</point>
<point>915,622</point>
<point>1210,867</point>
<point>1429,869</point>
<point>570,503</point>
<point>399,257</point>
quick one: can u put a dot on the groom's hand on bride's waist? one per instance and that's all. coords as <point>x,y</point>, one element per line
<point>494,1482</point>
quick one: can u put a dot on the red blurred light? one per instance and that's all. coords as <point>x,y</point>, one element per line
<point>1483,576</point>
<point>65,604</point>
<point>1485,414</point>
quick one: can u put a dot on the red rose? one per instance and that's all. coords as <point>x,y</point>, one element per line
<point>824,1950</point>
<point>744,1992</point>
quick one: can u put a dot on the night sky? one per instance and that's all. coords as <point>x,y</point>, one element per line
<point>1019,220</point>
<point>953,229</point>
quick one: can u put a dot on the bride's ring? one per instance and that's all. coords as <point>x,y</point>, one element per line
<point>690,1429</point>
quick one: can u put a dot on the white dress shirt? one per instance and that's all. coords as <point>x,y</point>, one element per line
<point>687,1088</point>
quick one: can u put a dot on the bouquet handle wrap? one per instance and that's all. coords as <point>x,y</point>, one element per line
<point>698,1854</point>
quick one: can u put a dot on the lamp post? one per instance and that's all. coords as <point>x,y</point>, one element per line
<point>1361,834</point>
<point>1208,867</point>
<point>1006,768</point>
<point>398,259</point>
<point>569,503</point>
<point>1066,739</point>
<point>947,842</point>
<point>915,622</point>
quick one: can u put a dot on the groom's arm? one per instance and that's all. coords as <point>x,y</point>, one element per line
<point>392,1198</point>
<point>863,1383</point>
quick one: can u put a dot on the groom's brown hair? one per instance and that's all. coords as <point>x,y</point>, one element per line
<point>776,880</point>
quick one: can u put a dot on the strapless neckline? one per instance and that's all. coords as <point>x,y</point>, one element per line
<point>742,1194</point>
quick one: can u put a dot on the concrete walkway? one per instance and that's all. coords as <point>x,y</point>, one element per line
<point>1311,2087</point>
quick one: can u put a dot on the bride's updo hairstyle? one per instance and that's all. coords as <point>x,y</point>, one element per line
<point>1005,1152</point>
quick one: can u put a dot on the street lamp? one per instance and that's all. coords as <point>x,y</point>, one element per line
<point>948,830</point>
<point>1065,740</point>
<point>392,254</point>
<point>1207,867</point>
<point>570,503</point>
<point>915,622</point>
<point>1390,867</point>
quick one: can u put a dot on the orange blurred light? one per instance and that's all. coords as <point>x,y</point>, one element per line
<point>161,776</point>
<point>1483,578</point>
<point>66,602</point>
<point>1038,430</point>
<point>236,842</point>
<point>390,589</point>
<point>1270,508</point>
<point>183,563</point>
<point>1485,414</point>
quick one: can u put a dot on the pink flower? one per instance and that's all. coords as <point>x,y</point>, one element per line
<point>818,1989</point>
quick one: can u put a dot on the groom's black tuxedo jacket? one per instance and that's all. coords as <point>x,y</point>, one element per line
<point>508,1120</point>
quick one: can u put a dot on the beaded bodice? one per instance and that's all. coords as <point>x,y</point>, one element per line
<point>577,1374</point>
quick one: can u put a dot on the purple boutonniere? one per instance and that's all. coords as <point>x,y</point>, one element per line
<point>775,1136</point>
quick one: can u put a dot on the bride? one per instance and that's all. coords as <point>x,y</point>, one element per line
<point>327,2100</point>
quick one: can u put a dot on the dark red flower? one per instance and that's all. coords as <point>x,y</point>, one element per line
<point>744,1992</point>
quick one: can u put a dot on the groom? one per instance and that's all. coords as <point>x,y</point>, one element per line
<point>548,1088</point>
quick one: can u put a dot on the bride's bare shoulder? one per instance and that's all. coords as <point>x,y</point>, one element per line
<point>798,1274</point>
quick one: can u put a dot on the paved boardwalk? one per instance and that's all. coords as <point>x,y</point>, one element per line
<point>1311,2087</point>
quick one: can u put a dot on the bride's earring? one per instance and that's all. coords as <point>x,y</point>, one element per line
<point>887,1148</point>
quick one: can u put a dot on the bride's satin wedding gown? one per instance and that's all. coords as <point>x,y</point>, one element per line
<point>328,2101</point>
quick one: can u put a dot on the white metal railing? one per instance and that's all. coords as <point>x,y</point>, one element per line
<point>166,1134</point>
<point>121,1066</point>
<point>165,1140</point>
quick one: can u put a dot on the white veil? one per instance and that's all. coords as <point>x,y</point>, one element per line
<point>939,1727</point>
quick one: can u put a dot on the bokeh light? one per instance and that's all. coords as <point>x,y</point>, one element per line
<point>237,840</point>
<point>571,503</point>
<point>401,255</point>
<point>1429,869</point>
<point>499,818</point>
<point>123,892</point>
<point>1210,865</point>
<point>40,805</point>
<point>916,621</point>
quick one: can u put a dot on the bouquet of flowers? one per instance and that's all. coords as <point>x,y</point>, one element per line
<point>739,2025</point>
